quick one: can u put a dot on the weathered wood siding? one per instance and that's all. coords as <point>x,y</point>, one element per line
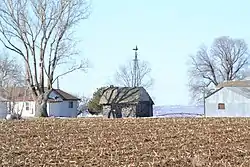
<point>143,109</point>
<point>105,110</point>
<point>129,111</point>
<point>121,110</point>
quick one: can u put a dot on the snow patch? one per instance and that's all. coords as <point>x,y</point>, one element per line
<point>179,111</point>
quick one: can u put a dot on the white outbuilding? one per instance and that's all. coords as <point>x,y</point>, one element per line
<point>231,99</point>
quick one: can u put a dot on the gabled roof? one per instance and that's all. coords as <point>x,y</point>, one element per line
<point>237,83</point>
<point>121,95</point>
<point>214,92</point>
<point>241,84</point>
<point>16,94</point>
<point>244,91</point>
<point>25,94</point>
<point>65,96</point>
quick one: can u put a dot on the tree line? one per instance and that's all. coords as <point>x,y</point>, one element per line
<point>227,59</point>
<point>40,32</point>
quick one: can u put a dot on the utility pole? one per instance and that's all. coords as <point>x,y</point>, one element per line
<point>135,78</point>
<point>204,100</point>
<point>57,81</point>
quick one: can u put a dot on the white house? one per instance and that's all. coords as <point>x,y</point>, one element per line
<point>231,101</point>
<point>60,103</point>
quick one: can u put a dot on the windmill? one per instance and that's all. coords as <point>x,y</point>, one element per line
<point>135,76</point>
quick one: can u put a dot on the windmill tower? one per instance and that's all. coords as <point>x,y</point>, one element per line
<point>135,76</point>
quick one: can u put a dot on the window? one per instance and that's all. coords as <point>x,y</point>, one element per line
<point>27,106</point>
<point>71,104</point>
<point>221,106</point>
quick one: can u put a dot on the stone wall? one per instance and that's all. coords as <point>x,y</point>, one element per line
<point>121,110</point>
<point>143,109</point>
<point>129,111</point>
<point>105,110</point>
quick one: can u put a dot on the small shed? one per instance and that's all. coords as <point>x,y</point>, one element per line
<point>121,102</point>
<point>232,101</point>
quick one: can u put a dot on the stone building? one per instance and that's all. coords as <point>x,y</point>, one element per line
<point>121,102</point>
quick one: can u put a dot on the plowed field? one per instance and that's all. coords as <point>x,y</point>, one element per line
<point>125,142</point>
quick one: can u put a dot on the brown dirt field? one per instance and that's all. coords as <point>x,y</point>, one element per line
<point>125,142</point>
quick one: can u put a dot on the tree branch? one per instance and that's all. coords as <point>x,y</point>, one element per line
<point>226,60</point>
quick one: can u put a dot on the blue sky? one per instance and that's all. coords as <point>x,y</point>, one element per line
<point>166,33</point>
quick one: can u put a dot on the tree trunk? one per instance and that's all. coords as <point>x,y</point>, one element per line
<point>41,108</point>
<point>111,114</point>
<point>41,105</point>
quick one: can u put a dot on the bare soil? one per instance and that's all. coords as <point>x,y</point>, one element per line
<point>126,142</point>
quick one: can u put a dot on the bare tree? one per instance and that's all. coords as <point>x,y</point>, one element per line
<point>83,104</point>
<point>126,76</point>
<point>11,77</point>
<point>11,72</point>
<point>226,60</point>
<point>40,31</point>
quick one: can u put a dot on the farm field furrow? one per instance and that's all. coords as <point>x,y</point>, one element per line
<point>126,142</point>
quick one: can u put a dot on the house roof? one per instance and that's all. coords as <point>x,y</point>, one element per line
<point>244,91</point>
<point>213,92</point>
<point>25,94</point>
<point>65,95</point>
<point>16,93</point>
<point>237,86</point>
<point>239,83</point>
<point>124,95</point>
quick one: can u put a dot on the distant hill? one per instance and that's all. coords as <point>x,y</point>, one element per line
<point>178,111</point>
